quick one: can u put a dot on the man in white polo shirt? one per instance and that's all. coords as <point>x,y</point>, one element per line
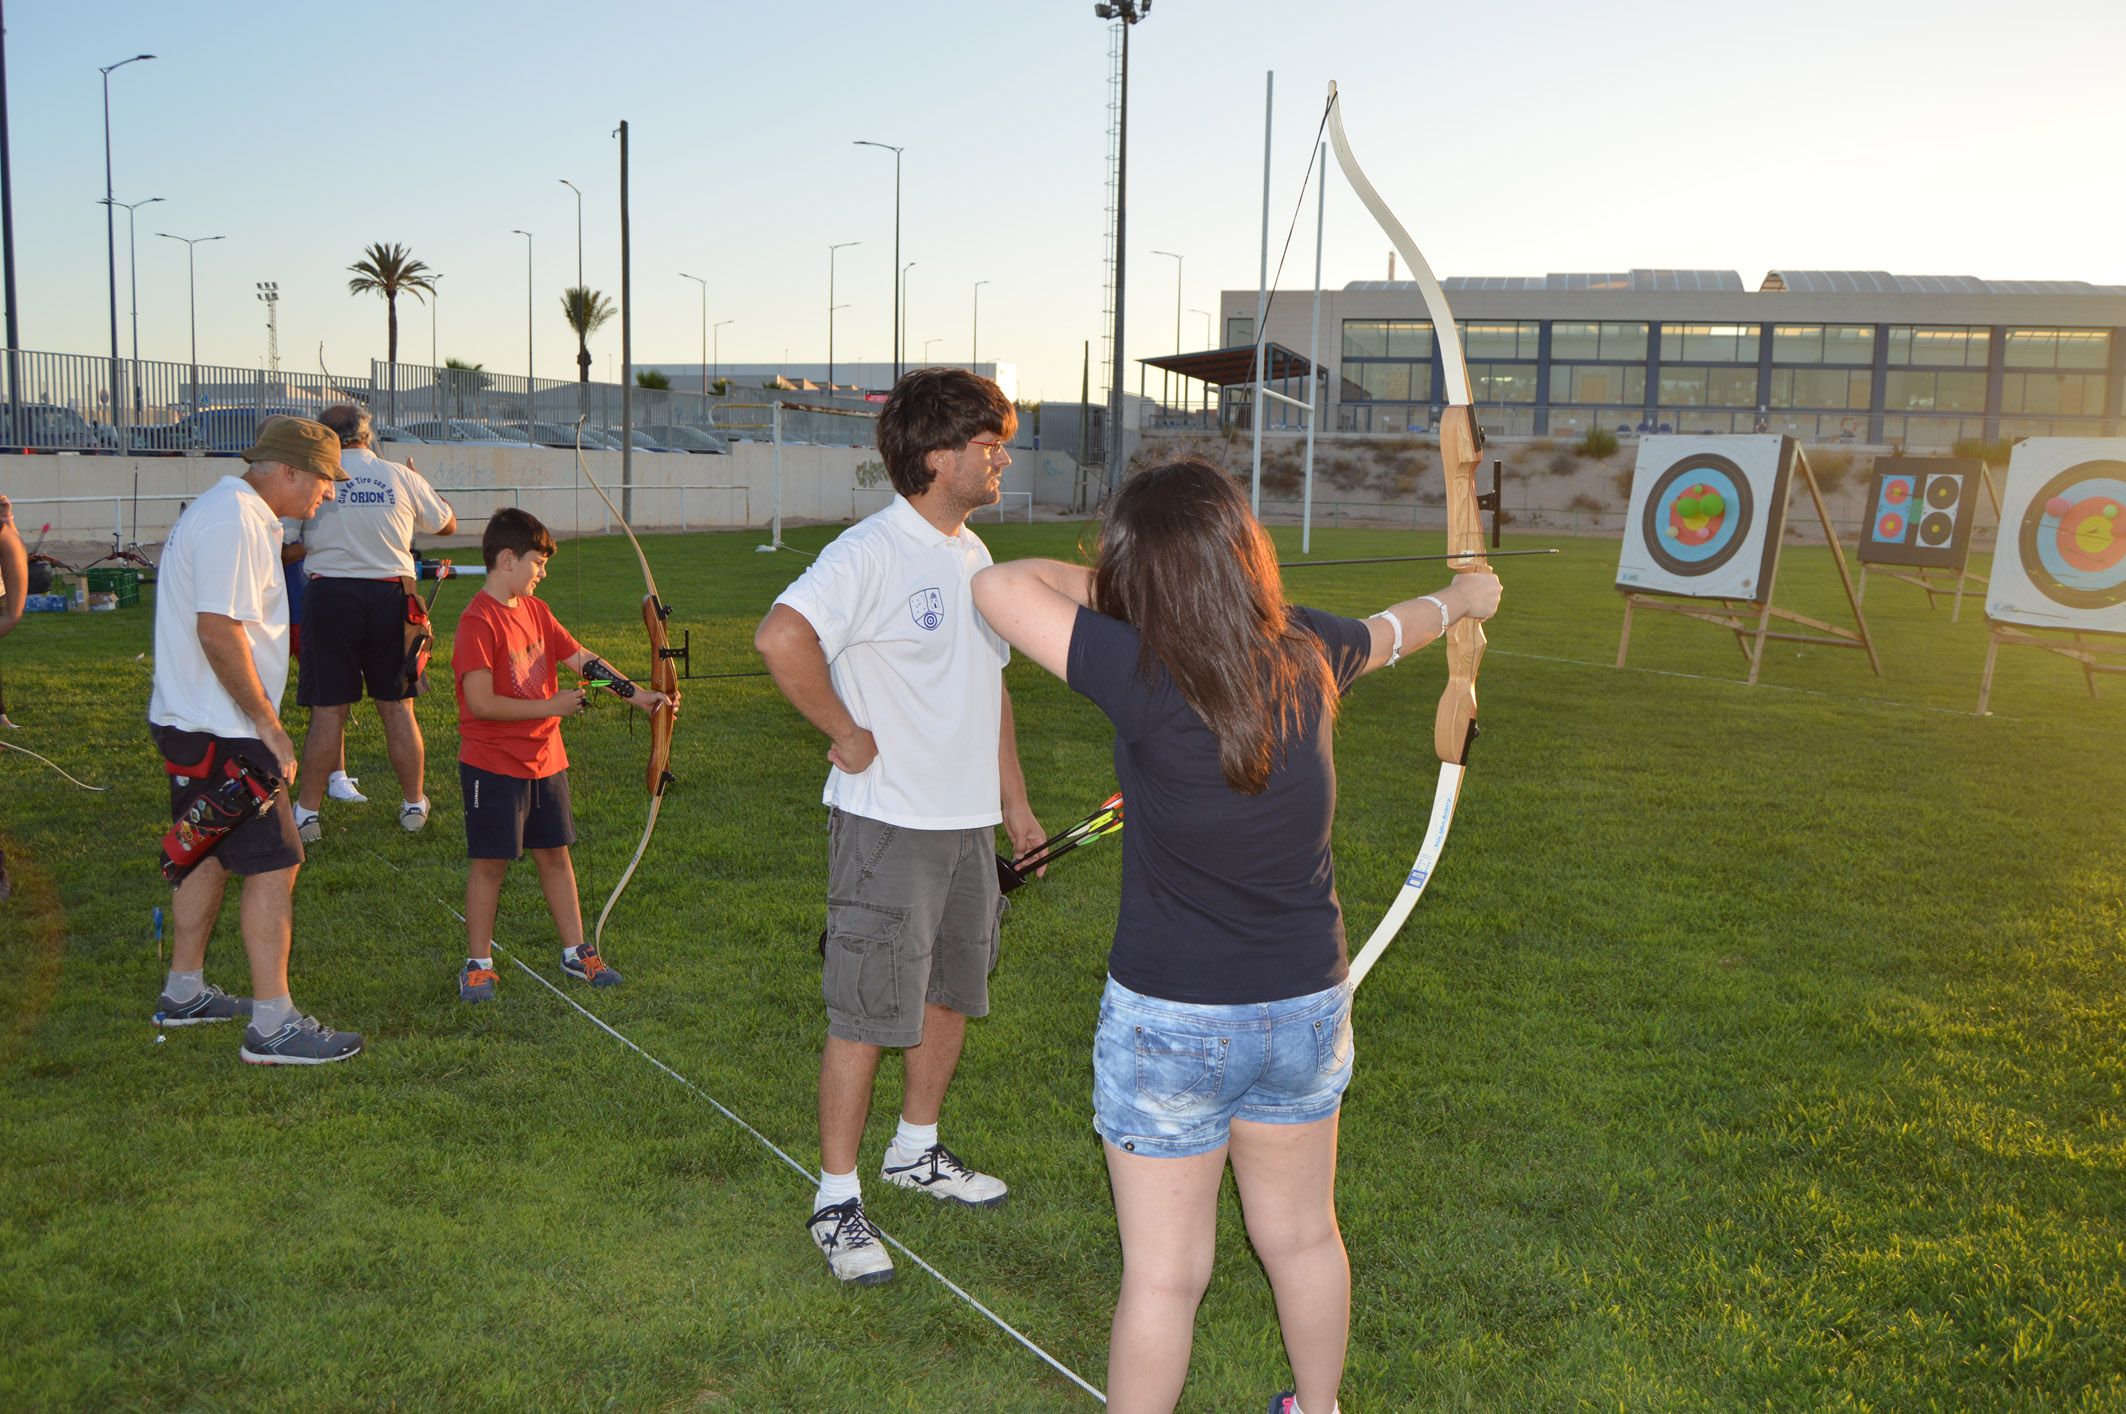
<point>221,663</point>
<point>358,554</point>
<point>878,645</point>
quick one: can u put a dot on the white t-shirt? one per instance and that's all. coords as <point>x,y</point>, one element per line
<point>223,557</point>
<point>915,665</point>
<point>366,530</point>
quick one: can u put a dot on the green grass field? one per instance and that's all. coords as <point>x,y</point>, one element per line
<point>1753,1047</point>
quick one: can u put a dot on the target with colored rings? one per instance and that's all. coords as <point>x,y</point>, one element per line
<point>1698,515</point>
<point>1893,510</point>
<point>2073,536</point>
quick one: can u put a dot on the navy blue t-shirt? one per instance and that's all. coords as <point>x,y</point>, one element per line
<point>1226,898</point>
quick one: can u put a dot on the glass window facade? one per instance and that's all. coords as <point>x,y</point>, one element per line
<point>1823,343</point>
<point>1239,329</point>
<point>1610,342</point>
<point>1388,338</point>
<point>1709,343</point>
<point>1821,388</point>
<point>2057,348</point>
<point>1823,381</point>
<point>2072,394</point>
<point>1939,345</point>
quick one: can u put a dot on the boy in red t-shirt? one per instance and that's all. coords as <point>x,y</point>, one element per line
<point>511,764</point>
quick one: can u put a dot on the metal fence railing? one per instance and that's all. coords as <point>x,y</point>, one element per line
<point>88,403</point>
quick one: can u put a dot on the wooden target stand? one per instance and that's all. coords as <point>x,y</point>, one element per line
<point>1734,614</point>
<point>2107,655</point>
<point>1952,583</point>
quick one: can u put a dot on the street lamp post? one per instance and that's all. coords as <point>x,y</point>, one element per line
<point>704,328</point>
<point>110,239</point>
<point>716,342</point>
<point>579,228</point>
<point>974,341</point>
<point>900,328</point>
<point>132,258</point>
<point>192,291</point>
<point>1126,13</point>
<point>435,297</point>
<point>897,325</point>
<point>1177,315</point>
<point>1207,322</point>
<point>832,306</point>
<point>528,384</point>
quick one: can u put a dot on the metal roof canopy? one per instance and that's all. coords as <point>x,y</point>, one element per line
<point>1234,365</point>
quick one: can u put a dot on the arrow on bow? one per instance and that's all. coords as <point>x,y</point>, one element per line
<point>1461,444</point>
<point>664,678</point>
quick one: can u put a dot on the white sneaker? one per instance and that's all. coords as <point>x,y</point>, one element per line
<point>307,827</point>
<point>939,1172</point>
<point>413,816</point>
<point>855,1254</point>
<point>345,787</point>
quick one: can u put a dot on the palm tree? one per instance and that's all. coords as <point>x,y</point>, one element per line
<point>390,270</point>
<point>587,311</point>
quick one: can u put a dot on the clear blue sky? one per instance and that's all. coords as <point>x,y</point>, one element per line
<point>1513,138</point>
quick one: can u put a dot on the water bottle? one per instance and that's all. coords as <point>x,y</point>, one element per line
<point>81,591</point>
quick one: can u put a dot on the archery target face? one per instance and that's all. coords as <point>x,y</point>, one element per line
<point>1705,516</point>
<point>1920,511</point>
<point>2062,556</point>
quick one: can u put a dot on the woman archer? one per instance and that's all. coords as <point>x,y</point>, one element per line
<point>1225,1027</point>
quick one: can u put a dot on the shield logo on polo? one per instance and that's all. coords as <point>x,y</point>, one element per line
<point>927,608</point>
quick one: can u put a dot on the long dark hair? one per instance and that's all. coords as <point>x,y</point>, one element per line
<point>1182,560</point>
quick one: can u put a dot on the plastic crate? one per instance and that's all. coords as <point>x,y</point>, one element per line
<point>123,582</point>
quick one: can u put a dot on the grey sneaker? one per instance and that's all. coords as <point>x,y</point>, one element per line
<point>309,827</point>
<point>213,1004</point>
<point>301,1042</point>
<point>939,1172</point>
<point>855,1254</point>
<point>413,817</point>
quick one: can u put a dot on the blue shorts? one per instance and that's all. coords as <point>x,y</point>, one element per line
<point>1169,1078</point>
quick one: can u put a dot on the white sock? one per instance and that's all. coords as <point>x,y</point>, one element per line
<point>270,1014</point>
<point>911,1139</point>
<point>1333,1409</point>
<point>302,814</point>
<point>183,986</point>
<point>486,962</point>
<point>836,1188</point>
<point>420,805</point>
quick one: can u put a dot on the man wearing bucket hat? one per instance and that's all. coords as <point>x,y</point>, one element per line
<point>221,663</point>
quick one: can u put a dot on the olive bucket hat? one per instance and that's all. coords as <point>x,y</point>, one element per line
<point>300,443</point>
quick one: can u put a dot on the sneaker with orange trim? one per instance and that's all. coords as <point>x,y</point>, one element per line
<point>475,983</point>
<point>584,964</point>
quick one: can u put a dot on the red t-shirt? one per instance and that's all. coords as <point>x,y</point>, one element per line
<point>521,645</point>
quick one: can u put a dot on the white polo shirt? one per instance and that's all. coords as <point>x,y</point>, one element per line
<point>915,665</point>
<point>223,557</point>
<point>366,530</point>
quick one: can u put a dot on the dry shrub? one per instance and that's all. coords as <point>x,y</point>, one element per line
<point>1585,502</point>
<point>1831,468</point>
<point>1563,463</point>
<point>1621,479</point>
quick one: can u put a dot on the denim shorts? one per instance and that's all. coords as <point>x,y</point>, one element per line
<point>1169,1078</point>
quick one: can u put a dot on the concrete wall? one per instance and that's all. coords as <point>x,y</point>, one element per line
<point>819,484</point>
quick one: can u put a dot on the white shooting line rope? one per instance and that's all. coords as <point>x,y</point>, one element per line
<point>799,1169</point>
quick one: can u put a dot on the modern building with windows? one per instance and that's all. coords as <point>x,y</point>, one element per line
<point>1827,355</point>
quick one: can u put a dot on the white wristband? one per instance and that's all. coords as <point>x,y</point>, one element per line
<point>1446,620</point>
<point>1395,650</point>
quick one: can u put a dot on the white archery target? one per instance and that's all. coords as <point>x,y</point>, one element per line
<point>1706,516</point>
<point>2061,561</point>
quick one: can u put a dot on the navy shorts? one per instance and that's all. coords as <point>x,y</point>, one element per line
<point>262,846</point>
<point>506,815</point>
<point>354,639</point>
<point>1169,1078</point>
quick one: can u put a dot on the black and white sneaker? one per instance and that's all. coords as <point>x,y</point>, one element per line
<point>301,1042</point>
<point>212,1004</point>
<point>939,1172</point>
<point>855,1252</point>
